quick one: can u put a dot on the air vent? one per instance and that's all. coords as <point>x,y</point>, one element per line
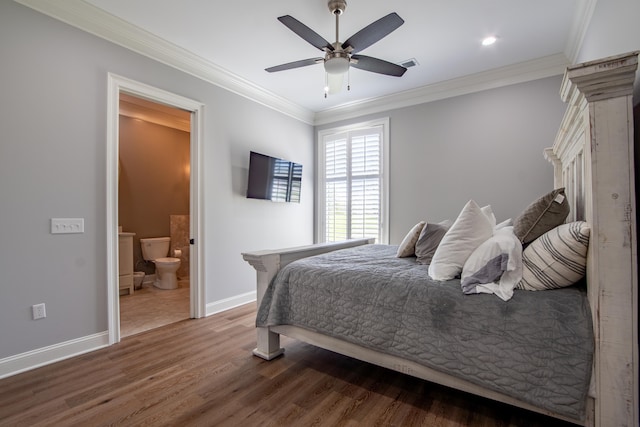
<point>409,63</point>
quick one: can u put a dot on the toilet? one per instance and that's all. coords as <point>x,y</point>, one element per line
<point>155,249</point>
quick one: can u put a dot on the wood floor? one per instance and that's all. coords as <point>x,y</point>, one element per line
<point>200,372</point>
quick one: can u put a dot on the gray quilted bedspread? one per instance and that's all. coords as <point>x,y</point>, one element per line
<point>537,347</point>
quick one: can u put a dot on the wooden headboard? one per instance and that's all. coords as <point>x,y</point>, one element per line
<point>593,158</point>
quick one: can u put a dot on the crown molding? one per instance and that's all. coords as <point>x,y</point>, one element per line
<point>512,74</point>
<point>94,20</point>
<point>579,29</point>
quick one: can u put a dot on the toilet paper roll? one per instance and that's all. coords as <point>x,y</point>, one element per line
<point>177,253</point>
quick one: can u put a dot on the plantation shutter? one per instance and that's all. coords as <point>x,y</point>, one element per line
<point>336,194</point>
<point>365,185</point>
<point>353,184</point>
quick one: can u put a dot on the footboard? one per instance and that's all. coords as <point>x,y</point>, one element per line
<point>267,263</point>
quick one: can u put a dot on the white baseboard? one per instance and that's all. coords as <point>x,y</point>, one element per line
<point>229,303</point>
<point>13,365</point>
<point>46,355</point>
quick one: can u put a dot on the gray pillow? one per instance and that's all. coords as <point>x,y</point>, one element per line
<point>544,214</point>
<point>429,239</point>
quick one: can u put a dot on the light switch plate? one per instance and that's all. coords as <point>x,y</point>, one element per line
<point>67,225</point>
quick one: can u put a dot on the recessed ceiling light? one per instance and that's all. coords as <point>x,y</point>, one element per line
<point>489,41</point>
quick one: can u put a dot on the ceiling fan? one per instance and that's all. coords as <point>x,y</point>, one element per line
<point>340,56</point>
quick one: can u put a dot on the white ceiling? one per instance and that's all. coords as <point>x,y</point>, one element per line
<point>244,37</point>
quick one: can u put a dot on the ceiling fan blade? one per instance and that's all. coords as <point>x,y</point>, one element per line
<point>373,32</point>
<point>295,64</point>
<point>376,65</point>
<point>305,32</point>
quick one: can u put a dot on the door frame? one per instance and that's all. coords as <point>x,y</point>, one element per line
<point>117,84</point>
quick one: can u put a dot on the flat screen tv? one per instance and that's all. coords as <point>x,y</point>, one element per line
<point>273,179</point>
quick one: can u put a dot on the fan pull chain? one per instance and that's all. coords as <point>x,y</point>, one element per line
<point>349,79</point>
<point>326,84</point>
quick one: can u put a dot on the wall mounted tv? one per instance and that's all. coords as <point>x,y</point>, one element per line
<point>273,179</point>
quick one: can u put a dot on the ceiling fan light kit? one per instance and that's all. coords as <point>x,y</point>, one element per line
<point>336,62</point>
<point>339,57</point>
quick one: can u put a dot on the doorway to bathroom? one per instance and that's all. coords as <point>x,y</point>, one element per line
<point>153,202</point>
<point>153,144</point>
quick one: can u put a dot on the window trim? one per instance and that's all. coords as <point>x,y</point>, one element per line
<point>320,176</point>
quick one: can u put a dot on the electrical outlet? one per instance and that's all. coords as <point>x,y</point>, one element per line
<point>39,311</point>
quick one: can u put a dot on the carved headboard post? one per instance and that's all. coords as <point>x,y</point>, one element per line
<point>557,167</point>
<point>595,153</point>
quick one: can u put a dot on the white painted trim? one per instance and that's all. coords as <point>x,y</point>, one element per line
<point>117,84</point>
<point>386,178</point>
<point>91,19</point>
<point>229,303</point>
<point>549,66</point>
<point>196,225</point>
<point>579,29</point>
<point>13,365</point>
<point>94,20</point>
<point>319,211</point>
<point>113,130</point>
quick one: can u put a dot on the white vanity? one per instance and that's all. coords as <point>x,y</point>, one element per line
<point>125,262</point>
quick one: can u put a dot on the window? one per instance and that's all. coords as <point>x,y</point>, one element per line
<point>353,181</point>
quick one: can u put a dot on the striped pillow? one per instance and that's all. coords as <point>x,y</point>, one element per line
<point>556,259</point>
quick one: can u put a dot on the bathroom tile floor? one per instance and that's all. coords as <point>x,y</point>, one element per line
<point>150,308</point>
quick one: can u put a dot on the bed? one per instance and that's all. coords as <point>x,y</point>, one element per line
<point>593,160</point>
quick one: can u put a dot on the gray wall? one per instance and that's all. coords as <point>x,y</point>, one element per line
<point>488,145</point>
<point>614,29</point>
<point>53,164</point>
<point>485,146</point>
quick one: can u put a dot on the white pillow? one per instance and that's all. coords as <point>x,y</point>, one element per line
<point>505,223</point>
<point>556,259</point>
<point>495,267</point>
<point>470,229</point>
<point>488,212</point>
<point>408,246</point>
